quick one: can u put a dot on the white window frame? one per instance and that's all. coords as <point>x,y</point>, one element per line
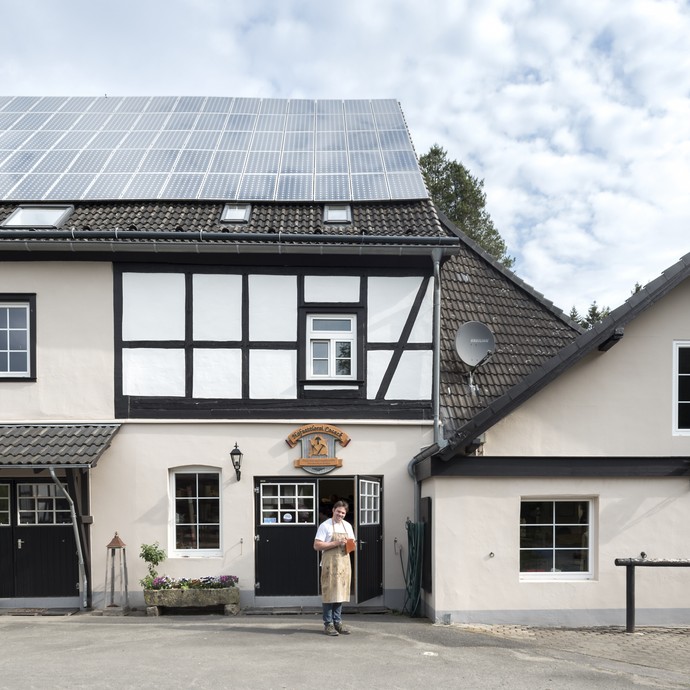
<point>332,338</point>
<point>38,216</point>
<point>369,502</point>
<point>569,575</point>
<point>236,213</point>
<point>176,551</point>
<point>280,504</point>
<point>337,213</point>
<point>8,350</point>
<point>677,347</point>
<point>43,500</point>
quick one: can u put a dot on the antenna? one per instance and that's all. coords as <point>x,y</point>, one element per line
<point>474,343</point>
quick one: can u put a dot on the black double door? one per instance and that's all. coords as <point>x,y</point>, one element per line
<point>288,513</point>
<point>38,555</point>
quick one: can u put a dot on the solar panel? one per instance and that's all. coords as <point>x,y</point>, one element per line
<point>216,148</point>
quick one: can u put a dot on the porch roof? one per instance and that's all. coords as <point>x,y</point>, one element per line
<point>48,445</point>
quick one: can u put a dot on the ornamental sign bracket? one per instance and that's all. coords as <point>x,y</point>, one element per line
<point>317,446</point>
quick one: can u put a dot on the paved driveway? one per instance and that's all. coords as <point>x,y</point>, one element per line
<point>384,651</point>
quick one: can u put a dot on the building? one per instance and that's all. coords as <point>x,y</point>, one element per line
<point>584,461</point>
<point>183,277</point>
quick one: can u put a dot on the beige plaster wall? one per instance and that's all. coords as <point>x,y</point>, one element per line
<point>618,402</point>
<point>474,518</point>
<point>74,325</point>
<point>130,489</point>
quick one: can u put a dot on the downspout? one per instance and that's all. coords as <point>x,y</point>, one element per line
<point>83,588</point>
<point>438,443</point>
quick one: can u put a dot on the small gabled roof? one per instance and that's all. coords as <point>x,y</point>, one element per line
<point>602,336</point>
<point>529,330</point>
<point>37,446</point>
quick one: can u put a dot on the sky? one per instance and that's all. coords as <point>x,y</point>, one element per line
<point>576,115</point>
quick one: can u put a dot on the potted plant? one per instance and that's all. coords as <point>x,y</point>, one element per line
<point>164,591</point>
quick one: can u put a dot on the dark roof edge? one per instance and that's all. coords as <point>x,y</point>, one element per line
<point>606,330</point>
<point>554,466</point>
<point>506,272</point>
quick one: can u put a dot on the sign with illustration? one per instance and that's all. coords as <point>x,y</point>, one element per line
<point>317,444</point>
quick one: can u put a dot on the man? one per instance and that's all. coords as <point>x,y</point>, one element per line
<point>336,573</point>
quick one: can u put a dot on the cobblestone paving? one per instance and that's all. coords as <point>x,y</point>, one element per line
<point>659,648</point>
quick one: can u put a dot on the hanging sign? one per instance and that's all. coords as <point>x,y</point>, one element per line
<point>317,445</point>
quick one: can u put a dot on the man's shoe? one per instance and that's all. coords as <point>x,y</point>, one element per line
<point>330,629</point>
<point>341,629</point>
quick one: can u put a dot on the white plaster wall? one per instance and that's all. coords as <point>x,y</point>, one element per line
<point>130,489</point>
<point>390,300</point>
<point>331,288</point>
<point>74,328</point>
<point>412,378</point>
<point>217,306</point>
<point>272,308</point>
<point>273,374</point>
<point>618,402</point>
<point>473,518</point>
<point>153,306</point>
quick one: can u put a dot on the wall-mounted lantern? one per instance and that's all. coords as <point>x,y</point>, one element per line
<point>236,457</point>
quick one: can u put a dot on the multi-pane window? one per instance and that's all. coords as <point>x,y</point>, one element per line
<point>197,511</point>
<point>15,339</point>
<point>555,538</point>
<point>42,504</point>
<point>369,502</point>
<point>331,346</point>
<point>682,387</point>
<point>4,504</point>
<point>286,503</point>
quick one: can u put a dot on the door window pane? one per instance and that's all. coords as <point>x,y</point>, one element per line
<point>288,503</point>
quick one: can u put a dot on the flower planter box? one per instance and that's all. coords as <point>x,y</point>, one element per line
<point>192,598</point>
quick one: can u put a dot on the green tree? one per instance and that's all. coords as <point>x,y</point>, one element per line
<point>594,315</point>
<point>461,196</point>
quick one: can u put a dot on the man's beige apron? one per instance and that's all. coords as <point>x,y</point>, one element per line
<point>335,572</point>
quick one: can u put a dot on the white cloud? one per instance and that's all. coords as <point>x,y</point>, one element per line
<point>577,116</point>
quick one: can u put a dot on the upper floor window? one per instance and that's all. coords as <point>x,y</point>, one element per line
<point>17,344</point>
<point>35,216</point>
<point>196,511</point>
<point>555,539</point>
<point>331,353</point>
<point>682,388</point>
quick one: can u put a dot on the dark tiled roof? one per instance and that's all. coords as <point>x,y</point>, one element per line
<point>407,219</point>
<point>37,445</point>
<point>601,337</point>
<point>528,331</point>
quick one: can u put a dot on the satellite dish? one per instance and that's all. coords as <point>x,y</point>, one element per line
<point>474,343</point>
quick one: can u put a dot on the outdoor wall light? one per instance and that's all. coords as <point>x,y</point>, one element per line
<point>236,457</point>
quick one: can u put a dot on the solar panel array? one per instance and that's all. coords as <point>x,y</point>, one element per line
<point>244,149</point>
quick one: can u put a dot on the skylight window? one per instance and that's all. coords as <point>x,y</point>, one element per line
<point>236,213</point>
<point>337,213</point>
<point>38,216</point>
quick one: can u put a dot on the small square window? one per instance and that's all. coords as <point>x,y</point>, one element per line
<point>337,213</point>
<point>556,539</point>
<point>331,353</point>
<point>236,213</point>
<point>38,216</point>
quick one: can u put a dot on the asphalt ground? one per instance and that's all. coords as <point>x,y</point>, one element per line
<point>91,651</point>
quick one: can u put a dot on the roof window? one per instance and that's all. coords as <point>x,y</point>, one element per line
<point>34,216</point>
<point>337,213</point>
<point>236,213</point>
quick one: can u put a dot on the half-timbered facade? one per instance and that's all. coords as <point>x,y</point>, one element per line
<point>183,277</point>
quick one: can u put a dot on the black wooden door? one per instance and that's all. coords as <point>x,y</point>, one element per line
<point>38,554</point>
<point>369,530</point>
<point>286,563</point>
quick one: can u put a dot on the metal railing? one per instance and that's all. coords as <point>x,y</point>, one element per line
<point>643,562</point>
